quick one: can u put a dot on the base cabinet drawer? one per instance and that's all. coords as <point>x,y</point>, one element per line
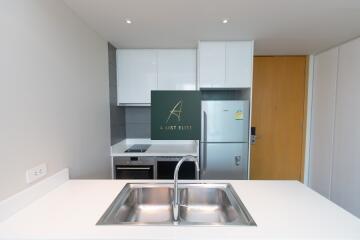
<point>165,170</point>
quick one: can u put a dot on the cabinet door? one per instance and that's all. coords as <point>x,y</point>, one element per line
<point>137,75</point>
<point>177,69</point>
<point>323,120</point>
<point>239,64</point>
<point>211,64</point>
<point>345,181</point>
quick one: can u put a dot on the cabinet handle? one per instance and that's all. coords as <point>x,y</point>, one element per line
<point>132,168</point>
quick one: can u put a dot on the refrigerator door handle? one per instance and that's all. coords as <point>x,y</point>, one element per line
<point>238,163</point>
<point>237,160</point>
<point>204,145</point>
<point>205,126</point>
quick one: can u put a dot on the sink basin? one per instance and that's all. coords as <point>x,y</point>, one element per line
<point>216,204</point>
<point>200,204</point>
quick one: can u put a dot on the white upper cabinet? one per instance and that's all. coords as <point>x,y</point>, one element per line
<point>212,64</point>
<point>176,69</point>
<point>136,75</point>
<point>225,64</point>
<point>141,70</point>
<point>239,64</point>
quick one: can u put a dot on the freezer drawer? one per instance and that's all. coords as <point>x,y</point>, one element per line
<point>224,160</point>
<point>225,121</point>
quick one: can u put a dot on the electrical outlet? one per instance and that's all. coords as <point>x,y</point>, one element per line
<point>35,173</point>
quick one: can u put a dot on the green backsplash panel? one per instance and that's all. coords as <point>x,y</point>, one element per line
<point>175,115</point>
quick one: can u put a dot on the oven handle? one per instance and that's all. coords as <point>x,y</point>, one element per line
<point>133,168</point>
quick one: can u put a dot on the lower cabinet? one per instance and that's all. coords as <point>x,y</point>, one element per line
<point>165,170</point>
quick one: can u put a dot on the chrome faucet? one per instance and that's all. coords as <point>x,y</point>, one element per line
<point>176,200</point>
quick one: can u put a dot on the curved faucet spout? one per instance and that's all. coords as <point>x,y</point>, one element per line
<point>176,201</point>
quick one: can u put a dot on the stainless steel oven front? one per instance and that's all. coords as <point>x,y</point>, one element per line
<point>134,167</point>
<point>134,172</point>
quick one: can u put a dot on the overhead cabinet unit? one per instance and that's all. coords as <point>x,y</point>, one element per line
<point>141,70</point>
<point>225,64</point>
<point>137,75</point>
<point>176,69</point>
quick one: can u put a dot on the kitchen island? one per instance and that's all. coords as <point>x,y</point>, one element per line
<point>281,210</point>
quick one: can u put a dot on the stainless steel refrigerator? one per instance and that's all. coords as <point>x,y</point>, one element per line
<point>224,145</point>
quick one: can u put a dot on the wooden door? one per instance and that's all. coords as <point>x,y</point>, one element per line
<point>278,113</point>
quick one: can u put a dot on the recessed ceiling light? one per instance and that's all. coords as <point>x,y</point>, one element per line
<point>225,21</point>
<point>128,21</point>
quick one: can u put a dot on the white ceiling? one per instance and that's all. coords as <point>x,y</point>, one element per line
<point>277,26</point>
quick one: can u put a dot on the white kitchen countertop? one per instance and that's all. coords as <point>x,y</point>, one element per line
<point>281,209</point>
<point>157,148</point>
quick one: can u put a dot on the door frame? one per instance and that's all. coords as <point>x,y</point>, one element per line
<point>308,118</point>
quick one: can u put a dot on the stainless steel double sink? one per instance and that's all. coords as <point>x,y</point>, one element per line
<point>200,204</point>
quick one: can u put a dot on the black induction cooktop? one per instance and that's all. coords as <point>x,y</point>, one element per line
<point>138,148</point>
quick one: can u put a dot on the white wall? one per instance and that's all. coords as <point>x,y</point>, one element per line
<point>54,104</point>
